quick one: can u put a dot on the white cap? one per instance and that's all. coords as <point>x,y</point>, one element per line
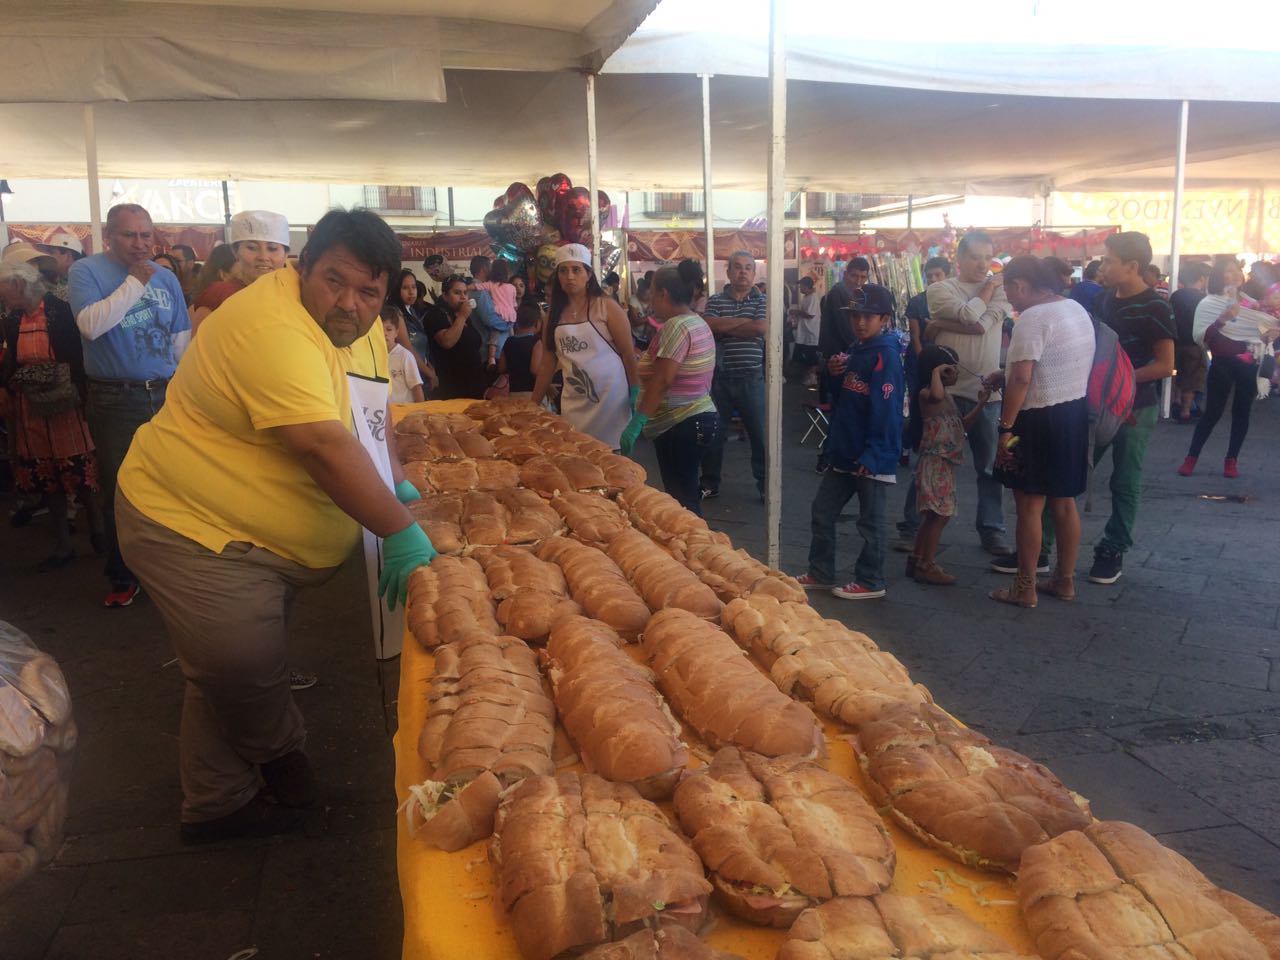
<point>573,253</point>
<point>260,225</point>
<point>64,240</point>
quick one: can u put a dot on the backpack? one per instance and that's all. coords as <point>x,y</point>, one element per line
<point>1111,386</point>
<point>1110,394</point>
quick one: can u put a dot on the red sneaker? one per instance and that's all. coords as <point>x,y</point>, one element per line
<point>856,591</point>
<point>122,595</point>
<point>810,582</point>
<point>1188,467</point>
<point>1229,469</point>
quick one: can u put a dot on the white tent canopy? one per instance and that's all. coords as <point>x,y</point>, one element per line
<point>227,90</point>
<point>83,51</point>
<point>498,126</point>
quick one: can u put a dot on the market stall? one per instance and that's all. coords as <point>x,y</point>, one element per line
<point>643,570</point>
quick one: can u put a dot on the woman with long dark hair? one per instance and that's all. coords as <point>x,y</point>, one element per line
<point>1237,348</point>
<point>456,344</point>
<point>674,409</point>
<point>587,336</point>
<point>402,293</point>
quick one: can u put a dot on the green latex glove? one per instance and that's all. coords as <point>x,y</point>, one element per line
<point>635,395</point>
<point>631,433</point>
<point>403,553</point>
<point>406,492</point>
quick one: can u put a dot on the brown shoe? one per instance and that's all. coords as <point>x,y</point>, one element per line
<point>1064,588</point>
<point>931,573</point>
<point>1021,594</point>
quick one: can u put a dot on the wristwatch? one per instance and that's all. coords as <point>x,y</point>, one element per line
<point>1006,427</point>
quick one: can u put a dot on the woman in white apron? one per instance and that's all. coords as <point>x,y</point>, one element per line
<point>589,339</point>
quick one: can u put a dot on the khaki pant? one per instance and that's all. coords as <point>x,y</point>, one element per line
<point>227,615</point>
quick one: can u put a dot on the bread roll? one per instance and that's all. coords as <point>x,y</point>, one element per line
<point>951,787</point>
<point>457,476</point>
<point>484,519</point>
<point>597,584</point>
<point>718,692</point>
<point>658,515</point>
<point>591,517</point>
<point>735,573</point>
<point>413,424</point>
<point>475,445</point>
<point>442,446</point>
<point>510,568</point>
<point>581,472</point>
<point>611,709</point>
<point>21,727</point>
<point>530,519</point>
<point>543,476</point>
<point>1094,894</point>
<point>42,683</point>
<point>496,475</point>
<point>517,449</point>
<point>663,581</point>
<point>892,925</point>
<point>782,835</point>
<point>459,817</point>
<point>411,447</point>
<point>842,672</point>
<point>619,472</point>
<point>564,847</point>
<point>447,600</point>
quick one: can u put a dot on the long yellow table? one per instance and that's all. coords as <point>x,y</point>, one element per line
<point>449,909</point>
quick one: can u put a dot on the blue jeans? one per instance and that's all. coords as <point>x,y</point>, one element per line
<point>982,446</point>
<point>744,393</point>
<point>680,450</point>
<point>835,490</point>
<point>115,410</point>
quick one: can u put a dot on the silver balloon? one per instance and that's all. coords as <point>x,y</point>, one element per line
<point>516,224</point>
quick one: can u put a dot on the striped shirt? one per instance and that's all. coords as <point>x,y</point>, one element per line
<point>739,354</point>
<point>687,340</point>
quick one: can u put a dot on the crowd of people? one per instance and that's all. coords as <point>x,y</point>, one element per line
<point>220,426</point>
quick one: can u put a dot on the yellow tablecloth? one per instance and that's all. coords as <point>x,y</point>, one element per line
<point>449,910</point>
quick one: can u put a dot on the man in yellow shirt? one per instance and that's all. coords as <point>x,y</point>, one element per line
<point>249,484</point>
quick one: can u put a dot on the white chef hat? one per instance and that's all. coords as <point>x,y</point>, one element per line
<point>260,225</point>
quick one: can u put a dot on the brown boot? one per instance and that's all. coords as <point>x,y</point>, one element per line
<point>1058,585</point>
<point>1021,594</point>
<point>930,572</point>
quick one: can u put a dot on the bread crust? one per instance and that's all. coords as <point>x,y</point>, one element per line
<point>611,709</point>
<point>661,579</point>
<point>598,586</point>
<point>718,692</point>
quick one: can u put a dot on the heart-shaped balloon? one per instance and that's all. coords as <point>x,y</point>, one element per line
<point>517,191</point>
<point>550,192</point>
<point>516,225</point>
<point>574,215</point>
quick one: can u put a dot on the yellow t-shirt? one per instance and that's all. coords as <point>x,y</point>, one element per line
<point>209,467</point>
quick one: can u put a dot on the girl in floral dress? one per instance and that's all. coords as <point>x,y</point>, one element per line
<point>941,451</point>
<point>44,376</point>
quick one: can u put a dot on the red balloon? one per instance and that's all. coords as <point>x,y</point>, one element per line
<point>499,201</point>
<point>551,191</point>
<point>517,191</point>
<point>574,215</point>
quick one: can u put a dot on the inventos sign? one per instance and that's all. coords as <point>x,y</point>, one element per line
<point>1213,221</point>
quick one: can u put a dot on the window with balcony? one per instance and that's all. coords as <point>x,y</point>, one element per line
<point>401,200</point>
<point>673,204</point>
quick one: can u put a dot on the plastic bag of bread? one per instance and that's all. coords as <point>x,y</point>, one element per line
<point>37,738</point>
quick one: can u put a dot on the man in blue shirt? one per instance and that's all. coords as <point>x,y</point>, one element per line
<point>133,320</point>
<point>1088,291</point>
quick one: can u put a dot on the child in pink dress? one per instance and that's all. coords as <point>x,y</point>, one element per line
<point>503,294</point>
<point>941,451</point>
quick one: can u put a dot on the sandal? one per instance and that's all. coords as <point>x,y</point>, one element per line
<point>1064,588</point>
<point>1014,596</point>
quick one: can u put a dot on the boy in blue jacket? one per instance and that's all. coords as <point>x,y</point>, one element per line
<point>863,445</point>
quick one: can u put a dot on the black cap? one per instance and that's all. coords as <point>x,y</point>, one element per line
<point>873,299</point>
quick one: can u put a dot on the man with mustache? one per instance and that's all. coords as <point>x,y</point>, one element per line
<point>254,480</point>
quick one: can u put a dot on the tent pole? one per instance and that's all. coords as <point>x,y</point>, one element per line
<point>226,204</point>
<point>1179,176</point>
<point>804,212</point>
<point>591,174</point>
<point>707,206</point>
<point>777,230</point>
<point>91,165</point>
<point>450,196</point>
<point>911,199</point>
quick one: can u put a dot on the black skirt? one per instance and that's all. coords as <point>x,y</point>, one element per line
<point>1051,457</point>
